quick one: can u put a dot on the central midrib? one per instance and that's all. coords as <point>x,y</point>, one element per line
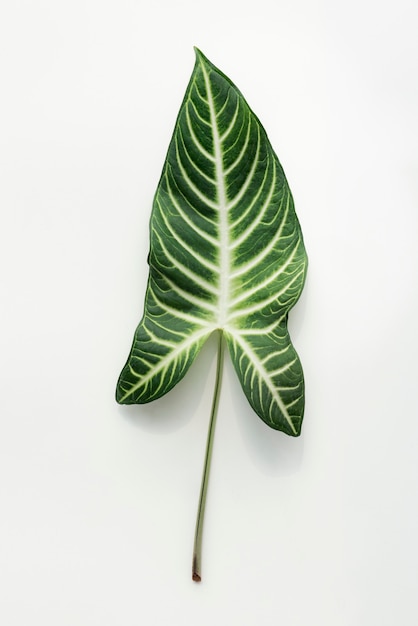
<point>224,255</point>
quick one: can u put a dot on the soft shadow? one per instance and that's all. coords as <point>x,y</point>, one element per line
<point>174,410</point>
<point>298,313</point>
<point>273,452</point>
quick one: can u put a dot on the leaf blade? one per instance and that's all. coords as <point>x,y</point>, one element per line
<point>226,252</point>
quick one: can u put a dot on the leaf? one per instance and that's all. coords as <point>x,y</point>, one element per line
<point>226,253</point>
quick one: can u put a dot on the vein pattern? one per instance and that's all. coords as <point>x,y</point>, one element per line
<point>226,252</point>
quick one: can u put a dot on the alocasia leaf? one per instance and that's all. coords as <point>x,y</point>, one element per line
<point>226,253</point>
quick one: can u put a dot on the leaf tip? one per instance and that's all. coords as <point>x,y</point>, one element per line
<point>200,56</point>
<point>120,395</point>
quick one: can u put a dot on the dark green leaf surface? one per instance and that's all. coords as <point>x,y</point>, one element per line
<point>226,253</point>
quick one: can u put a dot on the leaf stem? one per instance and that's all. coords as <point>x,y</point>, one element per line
<point>197,548</point>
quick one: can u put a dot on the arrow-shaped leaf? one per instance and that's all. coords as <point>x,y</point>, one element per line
<point>226,254</point>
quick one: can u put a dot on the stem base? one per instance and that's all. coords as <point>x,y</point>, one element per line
<point>197,548</point>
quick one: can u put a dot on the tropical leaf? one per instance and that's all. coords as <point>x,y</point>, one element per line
<point>226,253</point>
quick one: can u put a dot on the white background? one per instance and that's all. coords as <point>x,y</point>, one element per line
<point>98,501</point>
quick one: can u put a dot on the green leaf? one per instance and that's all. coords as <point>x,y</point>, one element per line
<point>226,253</point>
